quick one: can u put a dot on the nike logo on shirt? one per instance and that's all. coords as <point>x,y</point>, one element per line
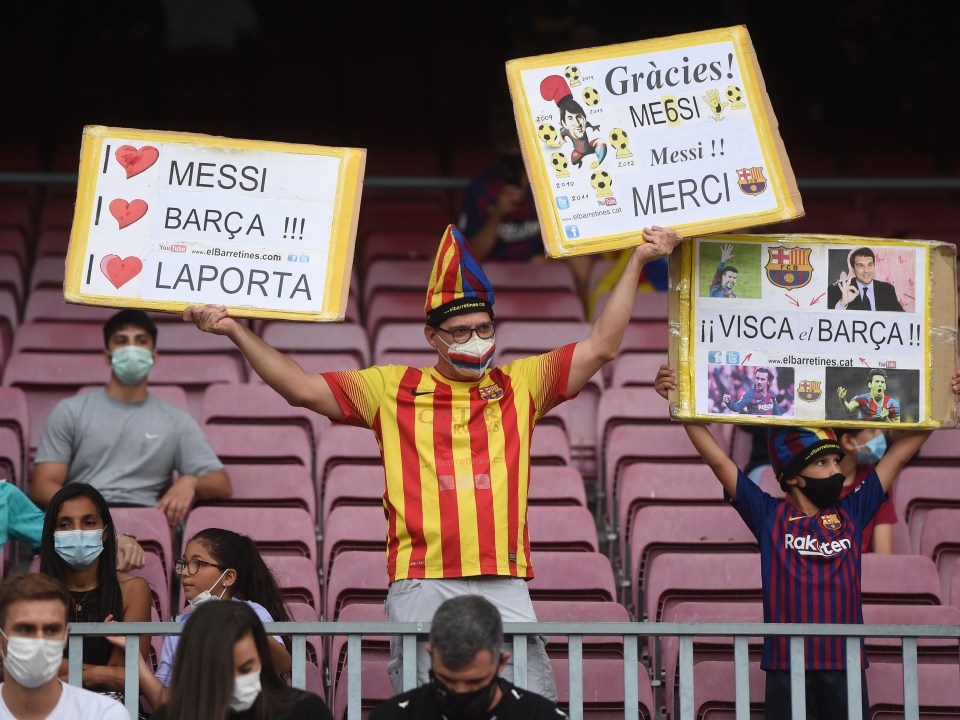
<point>418,393</point>
<point>798,517</point>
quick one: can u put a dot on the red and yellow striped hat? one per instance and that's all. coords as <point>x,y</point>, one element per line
<point>458,284</point>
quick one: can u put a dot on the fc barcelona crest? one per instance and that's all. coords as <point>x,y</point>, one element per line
<point>809,390</point>
<point>751,180</point>
<point>490,392</point>
<point>789,268</point>
<point>831,521</point>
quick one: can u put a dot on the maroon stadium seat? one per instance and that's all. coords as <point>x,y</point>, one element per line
<point>356,576</point>
<point>268,486</point>
<point>919,490</point>
<point>11,458</point>
<point>942,449</point>
<point>345,444</point>
<point>560,528</point>
<point>47,305</point>
<point>556,486</point>
<point>298,579</point>
<point>280,531</point>
<point>637,368</point>
<point>577,611</point>
<point>940,541</point>
<point>319,338</point>
<point>259,445</point>
<point>929,650</point>
<point>901,579</point>
<point>572,576</point>
<point>400,246</point>
<point>49,336</point>
<point>374,648</point>
<point>552,276</point>
<point>538,306</point>
<point>347,485</point>
<point>390,275</point>
<point>149,525</point>
<point>403,337</point>
<point>937,689</point>
<point>647,307</point>
<point>715,690</point>
<point>603,688</point>
<point>194,373</point>
<point>549,446</point>
<point>394,306</point>
<point>353,527</point>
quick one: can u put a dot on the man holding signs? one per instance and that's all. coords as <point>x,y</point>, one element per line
<point>455,438</point>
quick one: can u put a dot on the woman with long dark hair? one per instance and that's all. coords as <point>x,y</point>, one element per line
<point>79,547</point>
<point>222,565</point>
<point>223,669</point>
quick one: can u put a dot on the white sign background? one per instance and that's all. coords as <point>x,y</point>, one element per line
<point>264,246</point>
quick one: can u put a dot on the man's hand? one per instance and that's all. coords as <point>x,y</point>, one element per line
<point>726,253</point>
<point>955,381</point>
<point>666,380</point>
<point>211,318</point>
<point>848,291</point>
<point>725,398</point>
<point>130,555</point>
<point>660,242</point>
<point>178,500</point>
<point>842,394</point>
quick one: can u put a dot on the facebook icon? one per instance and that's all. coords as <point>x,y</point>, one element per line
<point>563,202</point>
<point>572,231</point>
<point>715,357</point>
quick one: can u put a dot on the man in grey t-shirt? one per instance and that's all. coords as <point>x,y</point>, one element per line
<point>125,442</point>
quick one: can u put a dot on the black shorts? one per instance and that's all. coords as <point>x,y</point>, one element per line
<point>826,695</point>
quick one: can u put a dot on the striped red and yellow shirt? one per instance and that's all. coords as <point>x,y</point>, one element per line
<point>457,460</point>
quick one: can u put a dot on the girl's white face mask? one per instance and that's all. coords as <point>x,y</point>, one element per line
<point>206,596</point>
<point>246,690</point>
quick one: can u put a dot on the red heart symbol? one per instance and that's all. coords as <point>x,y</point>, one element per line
<point>118,271</point>
<point>136,161</point>
<point>127,213</point>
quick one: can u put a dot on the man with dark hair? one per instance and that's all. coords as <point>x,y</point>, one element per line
<point>874,404</point>
<point>725,278</point>
<point>33,633</point>
<point>466,657</point>
<point>758,400</point>
<point>126,442</point>
<point>858,290</point>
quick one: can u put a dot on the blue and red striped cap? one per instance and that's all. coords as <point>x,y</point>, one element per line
<point>793,448</point>
<point>458,284</point>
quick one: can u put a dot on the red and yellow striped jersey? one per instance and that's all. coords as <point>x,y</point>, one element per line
<point>457,460</point>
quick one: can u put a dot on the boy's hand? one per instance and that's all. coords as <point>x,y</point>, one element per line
<point>955,381</point>
<point>666,380</point>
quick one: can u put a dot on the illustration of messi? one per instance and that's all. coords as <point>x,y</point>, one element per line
<point>573,121</point>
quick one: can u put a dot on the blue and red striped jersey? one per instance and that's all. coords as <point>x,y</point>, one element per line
<point>810,567</point>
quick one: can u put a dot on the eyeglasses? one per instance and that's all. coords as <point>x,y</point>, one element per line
<point>193,566</point>
<point>484,331</point>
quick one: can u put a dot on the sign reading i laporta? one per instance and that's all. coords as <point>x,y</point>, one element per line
<point>165,220</point>
<point>676,131</point>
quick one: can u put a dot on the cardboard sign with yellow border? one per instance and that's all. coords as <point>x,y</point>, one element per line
<point>816,330</point>
<point>166,219</point>
<point>676,131</point>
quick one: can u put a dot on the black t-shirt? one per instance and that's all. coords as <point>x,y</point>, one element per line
<point>514,704</point>
<point>309,707</point>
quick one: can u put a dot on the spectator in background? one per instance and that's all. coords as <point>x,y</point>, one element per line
<point>78,548</point>
<point>863,449</point>
<point>498,213</point>
<point>33,634</point>
<point>224,669</point>
<point>219,565</point>
<point>19,518</point>
<point>466,658</point>
<point>126,442</point>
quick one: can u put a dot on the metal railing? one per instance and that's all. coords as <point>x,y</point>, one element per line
<point>632,634</point>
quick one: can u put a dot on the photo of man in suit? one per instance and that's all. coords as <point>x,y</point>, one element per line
<point>858,290</point>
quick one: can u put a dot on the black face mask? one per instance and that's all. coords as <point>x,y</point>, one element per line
<point>471,705</point>
<point>823,492</point>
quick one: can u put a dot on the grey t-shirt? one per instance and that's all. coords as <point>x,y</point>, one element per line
<point>127,451</point>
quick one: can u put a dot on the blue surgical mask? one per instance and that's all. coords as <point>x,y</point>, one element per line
<point>78,548</point>
<point>131,364</point>
<point>871,451</point>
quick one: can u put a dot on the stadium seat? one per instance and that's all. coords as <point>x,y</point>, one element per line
<point>345,444</point>
<point>11,277</point>
<point>195,372</point>
<point>352,527</point>
<point>572,576</point>
<point>706,647</point>
<point>281,531</point>
<point>645,337</point>
<point>149,525</point>
<point>942,449</point>
<point>47,305</point>
<point>894,217</point>
<point>549,446</point>
<point>919,490</point>
<point>630,406</point>
<point>715,690</point>
<point>375,688</point>
<point>348,485</point>
<point>303,612</point>
<point>552,276</point>
<point>689,529</point>
<point>538,306</point>
<point>48,336</point>
<point>159,581</point>
<point>560,528</point>
<point>406,337</point>
<point>391,275</point>
<point>900,579</point>
<point>297,578</point>
<point>48,272</point>
<point>15,212</point>
<point>955,588</point>
<point>356,576</point>
<point>551,486</point>
<point>576,611</point>
<point>258,405</point>
<point>268,486</point>
<point>647,307</point>
<point>48,378</point>
<point>637,369</point>
<point>399,246</point>
<point>319,338</point>
<point>940,541</point>
<point>13,242</point>
<point>372,647</point>
<point>393,306</point>
<point>15,418</point>
<point>603,688</point>
<point>259,445</point>
<point>11,458</point>
<point>929,650</point>
<point>937,690</point>
<point>663,486</point>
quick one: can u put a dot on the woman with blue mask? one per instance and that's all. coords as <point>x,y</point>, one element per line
<point>862,450</point>
<point>224,669</point>
<point>78,547</point>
